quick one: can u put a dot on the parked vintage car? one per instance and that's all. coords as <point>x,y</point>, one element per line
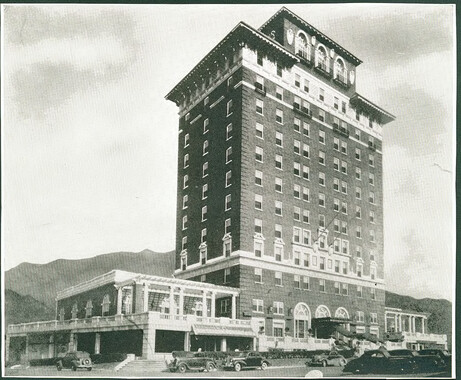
<point>246,360</point>
<point>381,362</point>
<point>190,361</point>
<point>443,356</point>
<point>75,360</point>
<point>422,363</point>
<point>332,358</point>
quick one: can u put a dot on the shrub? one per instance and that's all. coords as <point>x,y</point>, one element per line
<point>108,358</point>
<point>42,362</point>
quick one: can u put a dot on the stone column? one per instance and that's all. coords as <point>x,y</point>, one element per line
<point>172,300</point>
<point>148,343</point>
<point>414,324</point>
<point>400,322</point>
<point>422,325</point>
<point>51,346</point>
<point>27,348</point>
<point>181,301</point>
<point>213,305</point>
<point>119,300</point>
<point>146,298</point>
<point>7,347</point>
<point>223,344</point>
<point>97,343</point>
<point>234,306</point>
<point>187,341</point>
<point>395,322</point>
<point>204,304</point>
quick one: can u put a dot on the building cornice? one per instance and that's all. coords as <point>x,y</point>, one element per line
<point>363,104</point>
<point>284,12</point>
<point>240,35</point>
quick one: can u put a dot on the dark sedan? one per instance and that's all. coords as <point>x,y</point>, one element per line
<point>381,362</point>
<point>246,360</point>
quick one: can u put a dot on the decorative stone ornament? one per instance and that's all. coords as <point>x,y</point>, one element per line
<point>290,36</point>
<point>352,76</point>
<point>313,40</point>
<point>332,53</point>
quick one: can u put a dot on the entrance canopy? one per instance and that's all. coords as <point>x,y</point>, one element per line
<point>332,320</point>
<point>217,330</point>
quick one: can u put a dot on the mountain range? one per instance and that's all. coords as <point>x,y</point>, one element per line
<point>30,289</point>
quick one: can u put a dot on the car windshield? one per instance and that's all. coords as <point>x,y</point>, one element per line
<point>81,354</point>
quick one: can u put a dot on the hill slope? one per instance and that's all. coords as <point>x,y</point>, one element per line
<point>43,281</point>
<point>20,309</point>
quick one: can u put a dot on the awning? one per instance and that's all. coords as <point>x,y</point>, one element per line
<point>370,337</point>
<point>343,331</point>
<point>202,329</point>
<point>332,320</point>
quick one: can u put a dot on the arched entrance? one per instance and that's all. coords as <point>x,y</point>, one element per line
<point>302,320</point>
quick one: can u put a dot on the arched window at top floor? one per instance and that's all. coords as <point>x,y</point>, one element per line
<point>321,58</point>
<point>303,46</point>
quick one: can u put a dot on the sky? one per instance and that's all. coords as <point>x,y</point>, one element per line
<point>89,142</point>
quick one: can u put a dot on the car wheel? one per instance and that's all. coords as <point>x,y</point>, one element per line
<point>324,363</point>
<point>210,367</point>
<point>74,367</point>
<point>263,366</point>
<point>59,366</point>
<point>237,367</point>
<point>342,362</point>
<point>182,368</point>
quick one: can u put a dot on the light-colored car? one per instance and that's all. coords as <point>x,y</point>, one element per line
<point>326,360</point>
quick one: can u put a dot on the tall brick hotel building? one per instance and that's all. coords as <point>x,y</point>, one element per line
<point>279,239</point>
<point>280,180</point>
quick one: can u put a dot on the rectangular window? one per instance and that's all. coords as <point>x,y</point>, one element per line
<point>336,225</point>
<point>186,160</point>
<point>306,153</point>
<point>336,126</point>
<point>372,217</point>
<point>297,80</point>
<point>373,293</point>
<point>185,199</point>
<point>358,232</point>
<point>258,248</point>
<point>344,187</point>
<point>358,251</point>
<point>278,308</point>
<point>343,107</point>
<point>336,204</point>
<point>205,191</point>
<point>205,169</point>
<point>297,214</point>
<point>306,85</point>
<point>345,267</point>
<point>259,106</point>
<point>358,174</point>
<point>321,115</point>
<point>297,281</point>
<point>297,191</point>
<point>305,283</point>
<point>358,193</point>
<point>371,160</point>
<point>344,208</point>
<point>372,273</point>
<point>259,83</point>
<point>358,154</point>
<point>297,147</point>
<point>343,147</point>
<point>371,197</point>
<point>321,137</point>
<point>321,179</point>
<point>321,158</point>
<point>278,185</point>
<point>345,245</point>
<point>229,107</point>
<point>297,169</point>
<point>185,181</point>
<point>305,194</point>
<point>258,306</point>
<point>306,129</point>
<point>306,237</point>
<point>258,275</point>
<point>336,144</point>
<point>336,163</point>
<point>358,212</point>
<point>279,116</point>
<point>278,231</point>
<point>371,179</point>
<point>322,263</point>
<point>186,140</point>
<point>296,257</point>
<point>203,235</point>
<point>297,125</point>
<point>372,236</point>
<point>278,208</point>
<point>344,228</point>
<point>227,226</point>
<point>259,58</point>
<point>206,122</point>
<point>203,278</point>
<point>204,213</point>
<point>228,155</point>
<point>357,131</point>
<point>258,202</point>
<point>259,154</point>
<point>336,245</point>
<point>321,220</point>
<point>279,139</point>
<point>360,316</point>
<point>205,147</point>
<point>321,199</point>
<point>306,172</point>
<point>279,70</point>
<point>321,94</point>
<point>184,222</point>
<point>184,243</point>
<point>336,103</point>
<point>296,235</point>
<point>344,289</point>
<point>359,291</point>
<point>321,281</point>
<point>373,318</point>
<point>337,288</point>
<point>278,253</point>
<point>336,184</point>
<point>278,161</point>
<point>279,93</point>
<point>278,279</point>
<point>259,130</point>
<point>258,177</point>
<point>258,226</point>
<point>206,101</point>
<point>228,131</point>
<point>337,266</point>
<point>229,178</point>
<point>306,216</point>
